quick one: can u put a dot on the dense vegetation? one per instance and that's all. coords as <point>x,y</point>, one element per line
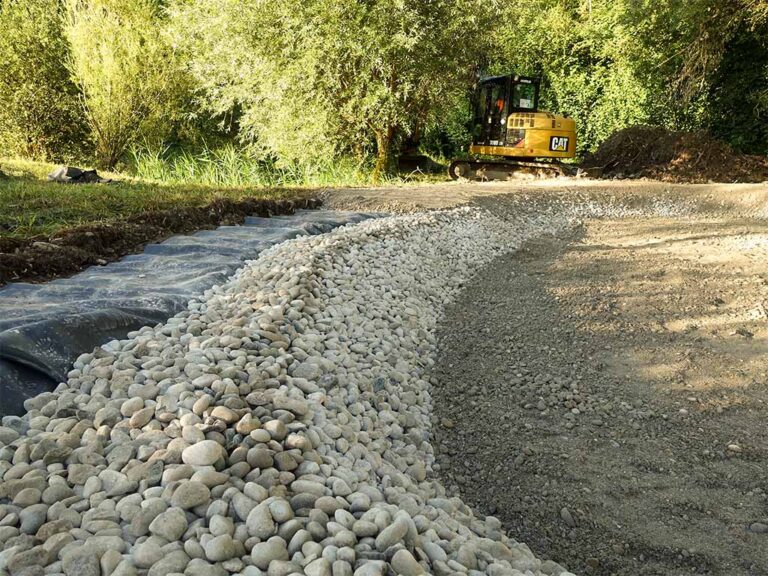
<point>277,90</point>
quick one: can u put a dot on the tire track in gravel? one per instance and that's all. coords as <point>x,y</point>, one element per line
<point>604,394</point>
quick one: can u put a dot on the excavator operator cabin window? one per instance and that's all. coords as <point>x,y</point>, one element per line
<point>482,110</point>
<point>524,97</point>
<point>498,101</point>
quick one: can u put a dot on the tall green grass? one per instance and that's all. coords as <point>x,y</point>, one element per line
<point>233,166</point>
<point>30,205</point>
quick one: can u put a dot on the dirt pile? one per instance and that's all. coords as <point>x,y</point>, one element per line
<point>655,152</point>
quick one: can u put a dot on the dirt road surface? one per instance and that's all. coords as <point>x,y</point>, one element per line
<point>730,199</point>
<point>604,393</point>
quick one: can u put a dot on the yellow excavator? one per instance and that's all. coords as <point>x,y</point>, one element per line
<point>511,136</point>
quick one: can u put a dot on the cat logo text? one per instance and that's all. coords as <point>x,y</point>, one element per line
<point>558,143</point>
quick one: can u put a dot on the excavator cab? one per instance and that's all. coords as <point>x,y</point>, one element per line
<point>511,136</point>
<point>495,99</point>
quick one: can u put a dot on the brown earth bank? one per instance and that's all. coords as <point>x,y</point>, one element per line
<point>43,258</point>
<point>661,154</point>
<point>605,394</point>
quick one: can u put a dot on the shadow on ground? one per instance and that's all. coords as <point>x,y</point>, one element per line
<point>604,394</point>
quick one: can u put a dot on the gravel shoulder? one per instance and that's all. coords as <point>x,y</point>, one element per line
<point>604,394</point>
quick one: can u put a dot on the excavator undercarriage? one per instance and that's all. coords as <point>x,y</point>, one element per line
<point>501,169</point>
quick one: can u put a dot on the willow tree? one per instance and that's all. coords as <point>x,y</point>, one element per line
<point>254,62</point>
<point>40,116</point>
<point>312,79</point>
<point>401,64</point>
<point>130,82</point>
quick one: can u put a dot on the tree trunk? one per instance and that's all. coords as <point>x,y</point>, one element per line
<point>384,158</point>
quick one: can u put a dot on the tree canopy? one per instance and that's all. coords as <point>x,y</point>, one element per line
<point>311,79</point>
<point>302,82</point>
<point>39,110</point>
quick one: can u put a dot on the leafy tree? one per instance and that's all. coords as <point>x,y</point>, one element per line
<point>254,68</point>
<point>39,112</point>
<point>403,63</point>
<point>318,78</point>
<point>132,87</point>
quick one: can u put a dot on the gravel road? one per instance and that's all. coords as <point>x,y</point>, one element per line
<point>730,200</point>
<point>603,392</point>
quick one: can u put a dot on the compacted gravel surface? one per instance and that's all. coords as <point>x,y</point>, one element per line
<point>604,394</point>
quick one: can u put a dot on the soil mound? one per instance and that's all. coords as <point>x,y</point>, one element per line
<point>655,152</point>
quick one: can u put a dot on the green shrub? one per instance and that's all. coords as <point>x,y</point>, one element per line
<point>132,85</point>
<point>40,114</point>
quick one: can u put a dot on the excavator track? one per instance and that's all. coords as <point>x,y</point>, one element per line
<point>485,170</point>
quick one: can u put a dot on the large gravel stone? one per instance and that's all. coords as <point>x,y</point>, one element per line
<point>147,553</point>
<point>7,435</point>
<point>205,453</point>
<point>170,525</point>
<point>220,548</point>
<point>264,553</point>
<point>33,517</point>
<point>191,494</point>
<point>81,563</point>
<point>391,535</point>
<point>319,567</point>
<point>404,563</point>
<point>260,522</point>
<point>172,563</point>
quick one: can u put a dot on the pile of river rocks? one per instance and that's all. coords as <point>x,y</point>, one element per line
<point>279,426</point>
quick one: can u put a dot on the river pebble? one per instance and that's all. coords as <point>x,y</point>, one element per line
<point>281,424</point>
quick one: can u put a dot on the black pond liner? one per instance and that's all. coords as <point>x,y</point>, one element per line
<point>45,327</point>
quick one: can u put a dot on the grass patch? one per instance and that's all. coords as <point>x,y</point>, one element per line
<point>233,166</point>
<point>229,165</point>
<point>31,206</point>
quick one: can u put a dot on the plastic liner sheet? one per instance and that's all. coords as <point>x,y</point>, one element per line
<point>45,327</point>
